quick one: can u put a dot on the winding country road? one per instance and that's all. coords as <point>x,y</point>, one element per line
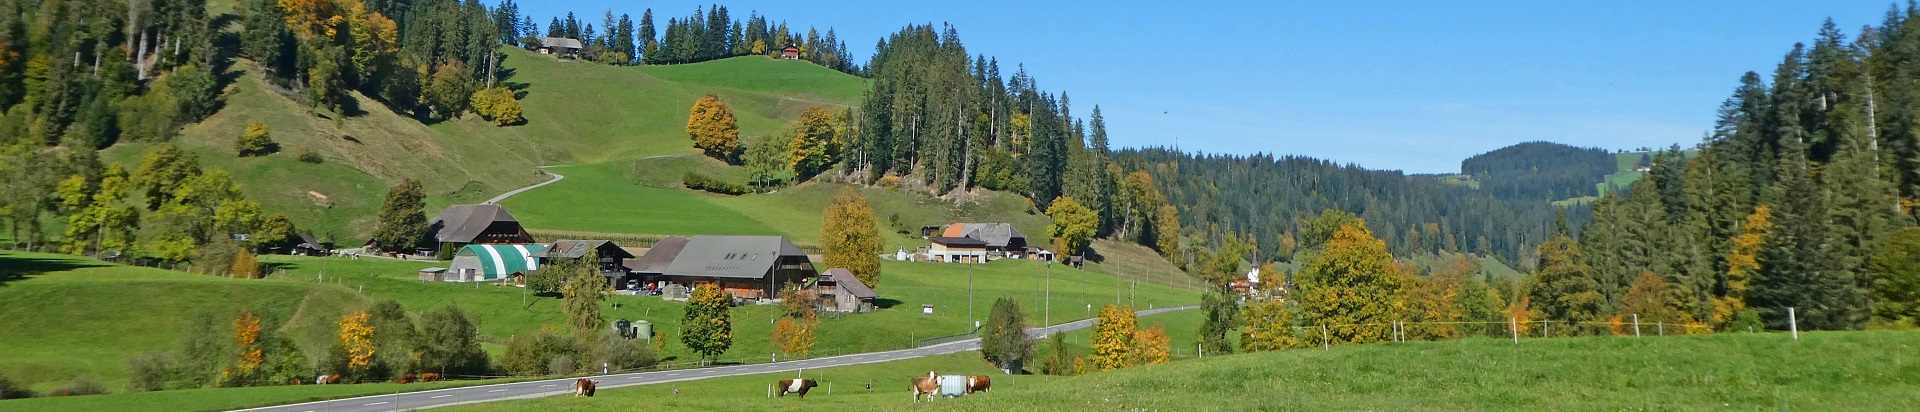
<point>556,177</point>
<point>552,387</point>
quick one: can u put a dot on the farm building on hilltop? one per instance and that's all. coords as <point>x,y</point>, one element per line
<point>791,52</point>
<point>462,225</point>
<point>748,267</point>
<point>560,46</point>
<point>840,291</point>
<point>612,257</point>
<point>479,263</point>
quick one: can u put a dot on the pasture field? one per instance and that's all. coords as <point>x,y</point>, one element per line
<point>147,309</point>
<point>576,114</point>
<point>1840,371</point>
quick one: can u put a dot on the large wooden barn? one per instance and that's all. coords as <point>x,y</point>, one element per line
<point>462,225</point>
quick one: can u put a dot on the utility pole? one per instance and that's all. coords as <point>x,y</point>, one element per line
<point>970,318</point>
<point>1047,316</point>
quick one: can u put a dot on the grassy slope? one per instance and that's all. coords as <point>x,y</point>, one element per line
<point>84,319</point>
<point>48,351</point>
<point>577,113</point>
<point>1822,371</point>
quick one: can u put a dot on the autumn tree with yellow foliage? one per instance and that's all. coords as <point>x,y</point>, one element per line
<point>1742,262</point>
<point>1267,326</point>
<point>356,343</point>
<point>711,125</point>
<point>1113,334</point>
<point>815,142</point>
<point>1151,346</point>
<point>850,238</point>
<point>1353,287</point>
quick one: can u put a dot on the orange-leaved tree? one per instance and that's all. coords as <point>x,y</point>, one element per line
<point>712,127</point>
<point>814,142</point>
<point>1151,346</point>
<point>246,338</point>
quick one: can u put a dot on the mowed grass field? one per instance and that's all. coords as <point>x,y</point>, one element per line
<point>645,197</point>
<point>81,318</point>
<point>577,113</point>
<point>1837,371</point>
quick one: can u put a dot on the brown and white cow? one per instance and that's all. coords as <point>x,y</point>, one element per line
<point>797,386</point>
<point>326,379</point>
<point>978,383</point>
<point>928,385</point>
<point>583,387</point>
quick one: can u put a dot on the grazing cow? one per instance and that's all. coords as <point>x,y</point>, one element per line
<point>928,385</point>
<point>583,387</point>
<point>797,386</point>
<point>406,378</point>
<point>326,379</point>
<point>978,383</point>
<point>429,377</point>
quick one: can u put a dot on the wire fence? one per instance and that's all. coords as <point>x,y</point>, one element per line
<point>1327,335</point>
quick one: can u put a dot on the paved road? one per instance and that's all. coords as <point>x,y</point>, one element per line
<point>556,177</point>
<point>551,387</point>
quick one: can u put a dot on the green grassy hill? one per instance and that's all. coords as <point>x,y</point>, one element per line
<point>1841,371</point>
<point>577,113</point>
<point>80,318</point>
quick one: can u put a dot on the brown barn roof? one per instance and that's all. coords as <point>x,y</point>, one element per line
<point>959,241</point>
<point>463,223</point>
<point>574,249</point>
<point>659,257</point>
<point>848,283</point>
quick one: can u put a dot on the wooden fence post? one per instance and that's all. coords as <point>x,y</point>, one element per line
<point>1636,325</point>
<point>1793,324</point>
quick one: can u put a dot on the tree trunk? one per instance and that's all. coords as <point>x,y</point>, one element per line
<point>139,57</point>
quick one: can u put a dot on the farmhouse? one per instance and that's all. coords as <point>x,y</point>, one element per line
<point>560,46</point>
<point>479,263</point>
<point>975,242</point>
<point>791,52</point>
<point>841,292</point>
<point>748,267</point>
<point>462,225</point>
<point>612,257</point>
<point>957,250</point>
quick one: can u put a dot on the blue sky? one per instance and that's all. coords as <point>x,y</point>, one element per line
<point>1415,86</point>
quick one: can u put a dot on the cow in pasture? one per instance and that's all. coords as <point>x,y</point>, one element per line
<point>797,386</point>
<point>928,385</point>
<point>978,383</point>
<point>326,379</point>
<point>583,387</point>
<point>407,378</point>
<point>429,377</point>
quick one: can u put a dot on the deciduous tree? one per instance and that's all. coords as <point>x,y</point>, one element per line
<point>851,238</point>
<point>711,125</point>
<point>1073,226</point>
<point>1353,288</point>
<point>707,328</point>
<point>1113,338</point>
<point>403,219</point>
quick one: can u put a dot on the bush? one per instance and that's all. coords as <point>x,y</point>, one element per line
<point>546,282</point>
<point>532,354</point>
<point>11,390</point>
<point>498,105</point>
<point>257,141</point>
<point>698,181</point>
<point>81,387</point>
<point>309,156</point>
<point>152,371</point>
<point>620,353</point>
<point>561,365</point>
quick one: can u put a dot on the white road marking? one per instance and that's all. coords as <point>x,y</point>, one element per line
<point>497,390</point>
<point>375,403</point>
<point>637,377</point>
<point>543,386</point>
<point>673,374</point>
<point>438,397</point>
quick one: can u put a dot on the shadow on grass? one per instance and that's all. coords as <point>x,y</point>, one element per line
<point>14,267</point>
<point>885,303</point>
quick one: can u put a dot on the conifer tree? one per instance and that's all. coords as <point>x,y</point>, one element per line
<point>403,219</point>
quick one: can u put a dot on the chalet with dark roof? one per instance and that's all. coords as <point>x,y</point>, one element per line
<point>840,291</point>
<point>613,258</point>
<point>462,225</point>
